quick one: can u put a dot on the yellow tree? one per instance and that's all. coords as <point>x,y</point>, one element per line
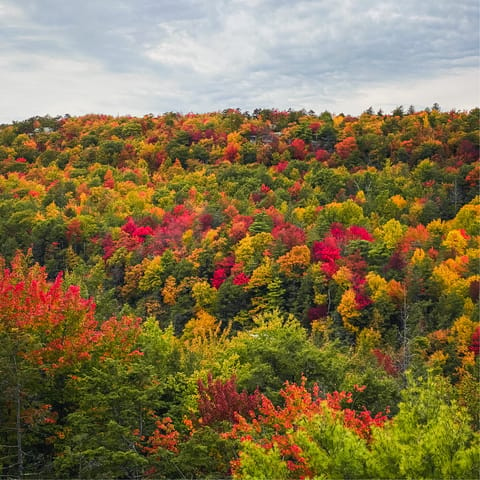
<point>295,262</point>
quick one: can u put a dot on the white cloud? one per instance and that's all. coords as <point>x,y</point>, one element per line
<point>138,56</point>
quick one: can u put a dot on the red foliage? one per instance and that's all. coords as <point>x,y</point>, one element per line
<point>272,425</point>
<point>289,234</point>
<point>169,233</point>
<point>322,155</point>
<point>414,237</point>
<point>346,147</point>
<point>329,268</point>
<point>326,251</point>
<point>108,180</point>
<point>396,262</point>
<point>231,152</point>
<point>219,276</point>
<point>206,221</point>
<point>359,233</point>
<point>241,279</point>
<point>295,189</point>
<point>281,166</point>
<point>164,437</point>
<point>362,301</point>
<point>298,148</point>
<point>475,345</point>
<point>240,226</point>
<point>473,177</point>
<point>220,401</point>
<point>109,246</point>
<point>338,232</point>
<point>385,361</point>
<point>226,263</point>
<point>474,290</point>
<point>130,226</point>
<point>62,321</point>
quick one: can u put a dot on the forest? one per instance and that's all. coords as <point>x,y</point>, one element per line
<point>266,295</point>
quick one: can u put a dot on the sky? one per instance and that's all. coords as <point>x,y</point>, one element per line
<point>137,57</point>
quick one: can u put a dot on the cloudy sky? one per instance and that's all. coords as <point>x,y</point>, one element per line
<point>153,56</point>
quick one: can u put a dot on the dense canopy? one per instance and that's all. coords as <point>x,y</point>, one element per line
<point>268,294</point>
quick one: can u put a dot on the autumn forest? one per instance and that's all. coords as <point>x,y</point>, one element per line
<point>276,295</point>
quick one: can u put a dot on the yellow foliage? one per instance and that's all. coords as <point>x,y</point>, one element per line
<point>234,137</point>
<point>396,290</point>
<point>151,279</point>
<point>204,294</point>
<point>416,208</point>
<point>294,262</point>
<point>461,336</point>
<point>368,339</point>
<point>170,291</point>
<point>398,201</point>
<point>202,325</point>
<point>468,306</point>
<point>360,197</point>
<point>455,241</point>
<point>343,276</point>
<point>310,214</point>
<point>473,253</point>
<point>438,359</point>
<point>187,238</point>
<point>437,227</point>
<point>262,275</point>
<point>347,309</point>
<point>52,211</point>
<point>391,233</point>
<point>299,213</point>
<point>320,298</point>
<point>418,256</point>
<point>261,241</point>
<point>377,286</point>
<point>211,236</point>
<point>445,276</point>
<point>468,217</point>
<point>321,330</point>
<point>244,250</point>
<point>203,335</point>
<point>458,265</point>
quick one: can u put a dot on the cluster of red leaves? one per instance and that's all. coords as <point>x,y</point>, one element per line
<point>164,437</point>
<point>385,361</point>
<point>346,147</point>
<point>219,276</point>
<point>55,327</point>
<point>62,321</point>
<point>289,234</point>
<point>298,148</point>
<point>327,251</point>
<point>475,344</point>
<point>219,401</point>
<point>224,268</point>
<point>273,426</point>
<point>137,231</point>
<point>240,226</point>
<point>241,279</point>
<point>354,232</point>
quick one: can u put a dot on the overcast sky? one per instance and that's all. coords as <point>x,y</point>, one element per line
<point>153,56</point>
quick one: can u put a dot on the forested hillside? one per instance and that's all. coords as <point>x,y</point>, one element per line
<point>266,295</point>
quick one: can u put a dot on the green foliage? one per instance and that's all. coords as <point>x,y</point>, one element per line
<point>266,246</point>
<point>429,438</point>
